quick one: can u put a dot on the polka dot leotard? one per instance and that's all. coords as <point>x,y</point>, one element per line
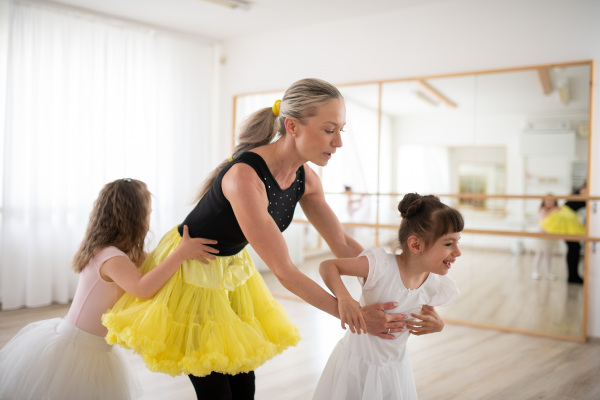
<point>213,216</point>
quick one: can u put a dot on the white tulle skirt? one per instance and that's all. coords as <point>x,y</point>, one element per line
<point>347,376</point>
<point>54,359</point>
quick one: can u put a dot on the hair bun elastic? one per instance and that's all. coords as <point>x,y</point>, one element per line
<point>276,108</point>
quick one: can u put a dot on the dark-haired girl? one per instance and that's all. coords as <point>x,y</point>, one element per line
<point>365,366</point>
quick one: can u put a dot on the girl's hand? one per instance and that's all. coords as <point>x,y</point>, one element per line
<point>429,321</point>
<point>196,248</point>
<point>350,313</point>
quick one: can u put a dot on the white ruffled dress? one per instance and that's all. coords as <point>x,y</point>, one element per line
<point>56,359</point>
<point>366,367</point>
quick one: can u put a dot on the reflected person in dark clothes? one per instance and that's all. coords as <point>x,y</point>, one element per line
<point>574,248</point>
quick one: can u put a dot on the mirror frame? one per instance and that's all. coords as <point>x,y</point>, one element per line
<point>377,226</point>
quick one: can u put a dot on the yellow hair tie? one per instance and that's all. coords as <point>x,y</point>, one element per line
<point>276,108</point>
<point>230,159</point>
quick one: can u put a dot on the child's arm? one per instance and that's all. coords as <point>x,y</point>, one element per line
<point>127,276</point>
<point>349,309</point>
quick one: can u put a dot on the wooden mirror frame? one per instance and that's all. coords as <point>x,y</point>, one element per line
<point>378,226</point>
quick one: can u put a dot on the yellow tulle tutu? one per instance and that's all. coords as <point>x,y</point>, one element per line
<point>564,221</point>
<point>217,317</point>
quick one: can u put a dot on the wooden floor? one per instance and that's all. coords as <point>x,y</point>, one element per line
<point>459,363</point>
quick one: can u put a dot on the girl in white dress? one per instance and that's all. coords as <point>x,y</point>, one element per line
<point>368,367</point>
<point>545,247</point>
<point>68,358</point>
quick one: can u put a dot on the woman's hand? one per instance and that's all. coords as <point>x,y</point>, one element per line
<point>382,324</point>
<point>196,248</point>
<point>429,321</point>
<point>350,313</point>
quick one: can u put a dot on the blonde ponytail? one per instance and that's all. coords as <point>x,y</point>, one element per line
<point>300,101</point>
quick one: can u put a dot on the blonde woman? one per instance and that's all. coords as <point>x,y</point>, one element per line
<point>218,323</point>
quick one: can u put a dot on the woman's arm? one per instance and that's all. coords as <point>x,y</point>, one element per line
<point>128,277</point>
<point>331,271</point>
<point>246,194</point>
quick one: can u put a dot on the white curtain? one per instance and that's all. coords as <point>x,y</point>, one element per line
<point>90,100</point>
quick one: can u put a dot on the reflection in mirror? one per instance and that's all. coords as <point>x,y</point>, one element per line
<point>500,139</point>
<point>352,209</point>
<point>497,288</point>
<point>544,112</point>
<point>542,123</point>
<point>355,164</point>
<point>517,132</point>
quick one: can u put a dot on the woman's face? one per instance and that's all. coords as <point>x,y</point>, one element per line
<point>318,137</point>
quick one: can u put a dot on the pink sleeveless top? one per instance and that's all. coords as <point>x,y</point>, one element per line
<point>94,296</point>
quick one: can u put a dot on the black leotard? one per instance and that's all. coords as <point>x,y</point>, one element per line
<point>213,216</point>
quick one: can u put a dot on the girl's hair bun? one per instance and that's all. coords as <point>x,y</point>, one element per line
<point>410,205</point>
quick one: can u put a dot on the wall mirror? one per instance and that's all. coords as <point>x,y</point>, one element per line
<point>491,143</point>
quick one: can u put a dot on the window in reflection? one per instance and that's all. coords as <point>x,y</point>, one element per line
<point>480,179</point>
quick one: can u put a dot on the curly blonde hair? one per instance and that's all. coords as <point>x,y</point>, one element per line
<point>119,218</point>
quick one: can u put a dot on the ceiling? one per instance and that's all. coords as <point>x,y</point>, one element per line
<point>511,92</point>
<point>219,23</point>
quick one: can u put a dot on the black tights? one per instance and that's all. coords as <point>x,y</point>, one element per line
<point>573,255</point>
<point>224,387</point>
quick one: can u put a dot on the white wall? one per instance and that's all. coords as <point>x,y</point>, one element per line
<point>447,37</point>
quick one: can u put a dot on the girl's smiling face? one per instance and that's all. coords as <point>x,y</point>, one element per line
<point>439,257</point>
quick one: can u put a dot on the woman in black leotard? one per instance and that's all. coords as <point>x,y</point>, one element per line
<point>218,323</point>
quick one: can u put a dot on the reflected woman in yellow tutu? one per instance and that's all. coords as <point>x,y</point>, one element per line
<point>563,221</point>
<point>566,221</point>
<point>218,323</point>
